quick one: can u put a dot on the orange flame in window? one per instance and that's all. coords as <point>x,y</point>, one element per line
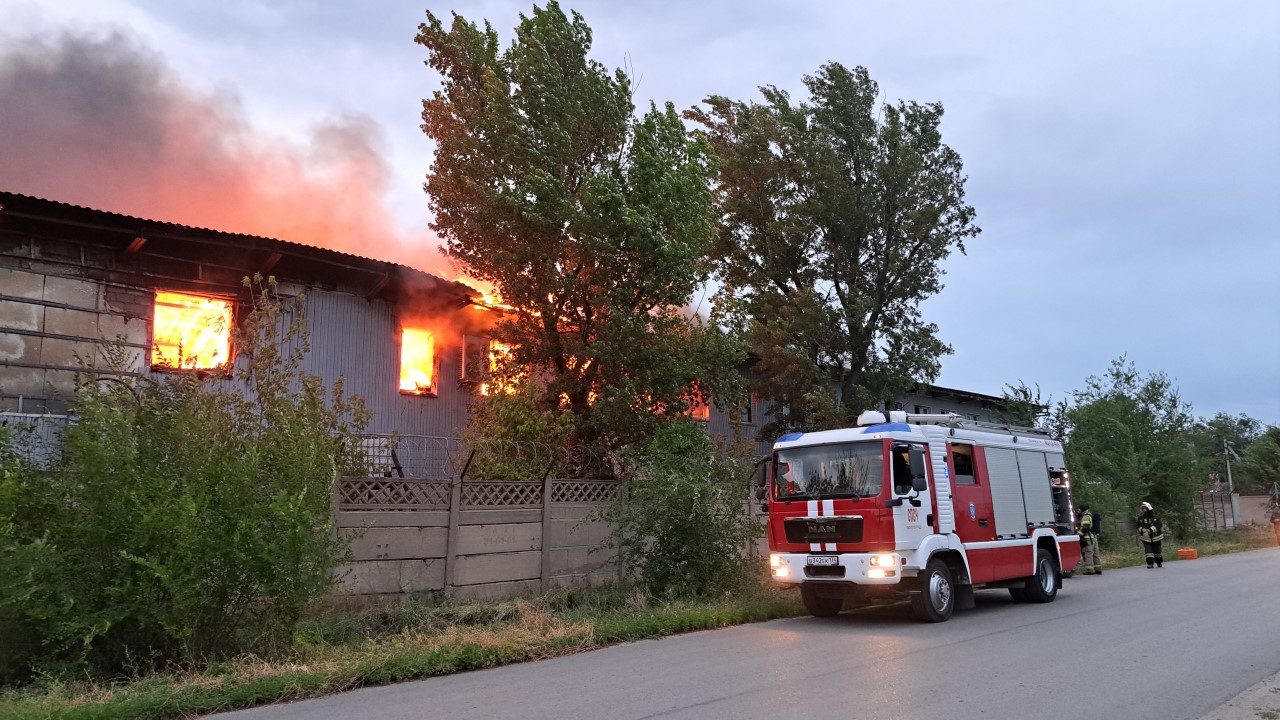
<point>191,331</point>
<point>417,362</point>
<point>498,352</point>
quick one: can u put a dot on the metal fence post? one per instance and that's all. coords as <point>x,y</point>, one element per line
<point>546,533</point>
<point>451,540</point>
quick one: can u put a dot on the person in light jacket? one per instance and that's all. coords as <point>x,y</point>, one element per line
<point>1090,562</point>
<point>1151,533</point>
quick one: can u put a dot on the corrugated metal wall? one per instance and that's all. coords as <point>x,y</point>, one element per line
<point>359,340</point>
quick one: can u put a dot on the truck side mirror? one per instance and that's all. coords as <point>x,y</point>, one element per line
<point>919,482</point>
<point>762,480</point>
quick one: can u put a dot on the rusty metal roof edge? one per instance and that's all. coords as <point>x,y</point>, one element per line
<point>301,248</point>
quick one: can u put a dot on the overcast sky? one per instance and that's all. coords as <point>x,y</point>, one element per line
<point>1122,156</point>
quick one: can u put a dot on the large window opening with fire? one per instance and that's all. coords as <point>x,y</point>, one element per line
<point>191,332</point>
<point>417,362</point>
<point>500,358</point>
<point>487,365</point>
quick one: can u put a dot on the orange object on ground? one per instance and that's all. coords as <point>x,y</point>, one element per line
<point>1187,554</point>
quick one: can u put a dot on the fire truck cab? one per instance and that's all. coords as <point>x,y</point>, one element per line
<point>926,507</point>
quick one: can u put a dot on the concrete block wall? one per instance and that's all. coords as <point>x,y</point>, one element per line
<point>52,325</point>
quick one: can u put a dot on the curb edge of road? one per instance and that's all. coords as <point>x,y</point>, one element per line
<point>1262,700</point>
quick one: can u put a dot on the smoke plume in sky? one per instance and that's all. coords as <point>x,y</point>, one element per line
<point>105,123</point>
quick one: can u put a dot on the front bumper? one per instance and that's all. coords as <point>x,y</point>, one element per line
<point>856,568</point>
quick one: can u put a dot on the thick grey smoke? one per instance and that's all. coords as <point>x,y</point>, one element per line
<point>106,123</point>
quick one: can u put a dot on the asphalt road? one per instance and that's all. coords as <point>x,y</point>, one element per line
<point>1162,644</point>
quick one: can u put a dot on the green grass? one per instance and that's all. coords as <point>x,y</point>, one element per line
<point>1130,554</point>
<point>414,639</point>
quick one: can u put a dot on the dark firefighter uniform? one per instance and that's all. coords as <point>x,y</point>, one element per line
<point>1151,533</point>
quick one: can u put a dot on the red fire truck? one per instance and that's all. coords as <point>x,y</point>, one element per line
<point>927,507</point>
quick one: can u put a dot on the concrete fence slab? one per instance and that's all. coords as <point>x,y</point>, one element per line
<point>497,591</point>
<point>393,518</point>
<point>582,561</point>
<point>498,567</point>
<point>399,543</point>
<point>390,576</point>
<point>575,533</point>
<point>493,517</point>
<point>481,539</point>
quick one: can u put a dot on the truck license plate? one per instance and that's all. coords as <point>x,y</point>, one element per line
<point>822,560</point>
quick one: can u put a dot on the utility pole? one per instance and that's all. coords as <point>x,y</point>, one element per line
<point>1229,452</point>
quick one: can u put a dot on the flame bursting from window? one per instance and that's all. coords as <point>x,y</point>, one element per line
<point>417,362</point>
<point>499,353</point>
<point>191,331</point>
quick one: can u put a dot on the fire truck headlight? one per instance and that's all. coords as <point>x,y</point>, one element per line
<point>781,572</point>
<point>884,560</point>
<point>875,573</point>
<point>775,560</point>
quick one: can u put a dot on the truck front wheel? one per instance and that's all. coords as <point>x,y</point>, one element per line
<point>936,599</point>
<point>817,605</point>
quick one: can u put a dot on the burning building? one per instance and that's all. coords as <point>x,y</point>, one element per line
<point>79,285</point>
<point>75,282</point>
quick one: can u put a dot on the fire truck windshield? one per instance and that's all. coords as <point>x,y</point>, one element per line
<point>826,471</point>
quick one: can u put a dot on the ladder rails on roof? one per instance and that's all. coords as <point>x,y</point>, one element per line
<point>954,420</point>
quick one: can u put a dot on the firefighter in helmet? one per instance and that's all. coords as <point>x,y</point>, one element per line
<point>1090,561</point>
<point>1151,533</point>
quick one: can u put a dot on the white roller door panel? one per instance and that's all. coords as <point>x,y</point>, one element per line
<point>1035,488</point>
<point>1006,493</point>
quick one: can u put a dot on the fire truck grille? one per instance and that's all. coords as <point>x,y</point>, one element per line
<point>823,530</point>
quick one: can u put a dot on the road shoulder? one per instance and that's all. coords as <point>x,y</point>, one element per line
<point>1260,702</point>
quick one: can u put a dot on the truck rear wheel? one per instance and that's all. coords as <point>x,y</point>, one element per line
<point>936,600</point>
<point>817,605</point>
<point>1043,586</point>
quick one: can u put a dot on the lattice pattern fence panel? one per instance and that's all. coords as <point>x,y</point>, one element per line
<point>585,491</point>
<point>392,494</point>
<point>501,494</point>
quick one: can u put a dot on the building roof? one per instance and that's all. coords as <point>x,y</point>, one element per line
<point>937,391</point>
<point>216,258</point>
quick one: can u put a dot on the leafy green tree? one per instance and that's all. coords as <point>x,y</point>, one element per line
<point>1261,461</point>
<point>836,216</point>
<point>1128,442</point>
<point>1212,435</point>
<point>1021,405</point>
<point>592,224</point>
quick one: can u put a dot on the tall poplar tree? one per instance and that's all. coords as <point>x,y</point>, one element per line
<point>836,216</point>
<point>593,225</point>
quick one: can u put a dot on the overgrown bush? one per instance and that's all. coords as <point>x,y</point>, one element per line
<point>188,517</point>
<point>683,528</point>
<point>512,436</point>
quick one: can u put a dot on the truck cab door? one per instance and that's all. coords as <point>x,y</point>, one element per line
<point>974,520</point>
<point>911,501</point>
